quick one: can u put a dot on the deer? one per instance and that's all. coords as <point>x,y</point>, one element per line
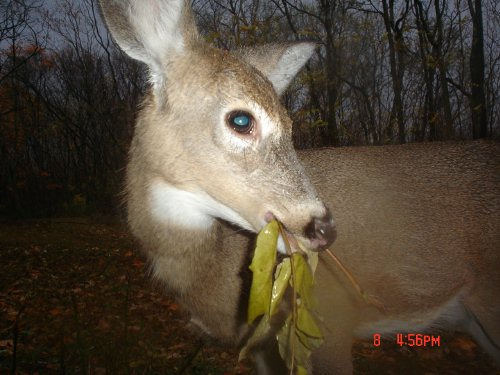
<point>212,161</point>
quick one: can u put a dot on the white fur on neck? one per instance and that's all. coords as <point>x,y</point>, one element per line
<point>188,209</point>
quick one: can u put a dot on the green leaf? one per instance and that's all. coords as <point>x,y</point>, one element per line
<point>302,279</point>
<point>286,336</point>
<point>262,266</point>
<point>307,331</point>
<point>306,322</point>
<point>292,350</point>
<point>282,277</point>
<point>300,334</point>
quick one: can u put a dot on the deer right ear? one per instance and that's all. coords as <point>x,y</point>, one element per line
<point>151,31</point>
<point>279,62</point>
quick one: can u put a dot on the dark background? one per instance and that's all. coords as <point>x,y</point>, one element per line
<point>384,72</point>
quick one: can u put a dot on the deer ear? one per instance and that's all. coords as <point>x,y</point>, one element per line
<point>151,31</point>
<point>280,63</point>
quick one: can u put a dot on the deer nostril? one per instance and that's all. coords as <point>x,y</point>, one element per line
<point>321,231</point>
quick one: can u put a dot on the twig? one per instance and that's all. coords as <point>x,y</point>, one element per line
<point>368,299</point>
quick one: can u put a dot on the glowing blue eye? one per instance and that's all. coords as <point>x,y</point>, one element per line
<point>240,121</point>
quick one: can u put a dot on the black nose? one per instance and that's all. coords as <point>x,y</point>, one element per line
<point>321,231</point>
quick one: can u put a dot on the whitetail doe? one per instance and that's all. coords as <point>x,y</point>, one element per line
<point>418,225</point>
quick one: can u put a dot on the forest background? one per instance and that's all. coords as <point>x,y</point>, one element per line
<point>384,72</point>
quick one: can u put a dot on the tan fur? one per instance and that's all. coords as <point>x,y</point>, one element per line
<point>418,225</point>
<point>419,228</point>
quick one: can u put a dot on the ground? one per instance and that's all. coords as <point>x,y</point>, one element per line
<point>76,298</point>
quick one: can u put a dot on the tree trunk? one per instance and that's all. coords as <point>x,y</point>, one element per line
<point>477,98</point>
<point>429,115</point>
<point>447,128</point>
<point>331,67</point>
<point>395,41</point>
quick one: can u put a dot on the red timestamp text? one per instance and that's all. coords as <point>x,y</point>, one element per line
<point>412,339</point>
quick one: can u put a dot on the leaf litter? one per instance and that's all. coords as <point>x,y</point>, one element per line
<point>76,297</point>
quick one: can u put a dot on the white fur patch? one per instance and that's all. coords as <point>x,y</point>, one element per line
<point>156,25</point>
<point>267,126</point>
<point>281,245</point>
<point>189,209</point>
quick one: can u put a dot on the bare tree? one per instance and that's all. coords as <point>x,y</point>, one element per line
<point>384,71</point>
<point>18,28</point>
<point>395,26</point>
<point>477,98</point>
<point>433,57</point>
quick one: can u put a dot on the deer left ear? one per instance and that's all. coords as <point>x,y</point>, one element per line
<point>279,62</point>
<point>151,31</point>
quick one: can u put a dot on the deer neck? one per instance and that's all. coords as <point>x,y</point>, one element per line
<point>179,235</point>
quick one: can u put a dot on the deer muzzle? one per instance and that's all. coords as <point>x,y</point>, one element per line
<point>321,232</point>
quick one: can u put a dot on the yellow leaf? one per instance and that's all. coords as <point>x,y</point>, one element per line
<point>303,279</point>
<point>262,266</point>
<point>306,323</point>
<point>307,330</point>
<point>300,334</point>
<point>292,350</point>
<point>286,338</point>
<point>282,276</point>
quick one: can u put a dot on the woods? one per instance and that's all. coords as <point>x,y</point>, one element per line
<point>384,72</point>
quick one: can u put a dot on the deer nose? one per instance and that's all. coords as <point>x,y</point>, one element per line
<point>321,231</point>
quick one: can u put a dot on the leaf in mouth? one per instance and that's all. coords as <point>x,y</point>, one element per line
<point>299,333</point>
<point>262,266</point>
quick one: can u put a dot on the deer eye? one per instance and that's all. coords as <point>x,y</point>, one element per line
<point>240,121</point>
